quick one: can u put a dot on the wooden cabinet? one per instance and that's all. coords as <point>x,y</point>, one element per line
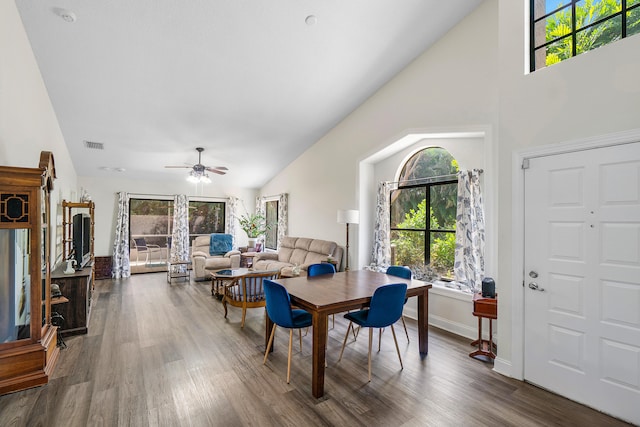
<point>76,288</point>
<point>28,340</point>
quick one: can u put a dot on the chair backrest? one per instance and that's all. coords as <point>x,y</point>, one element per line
<point>318,269</point>
<point>252,286</point>
<point>278,304</point>
<point>386,305</point>
<point>141,244</point>
<point>399,271</point>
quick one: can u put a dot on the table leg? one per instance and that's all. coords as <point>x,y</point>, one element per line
<point>319,354</point>
<point>423,322</point>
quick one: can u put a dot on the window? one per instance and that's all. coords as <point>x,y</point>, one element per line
<point>561,29</point>
<point>151,226</point>
<point>271,216</point>
<point>423,212</point>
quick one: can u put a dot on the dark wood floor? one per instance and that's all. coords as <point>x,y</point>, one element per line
<point>163,355</point>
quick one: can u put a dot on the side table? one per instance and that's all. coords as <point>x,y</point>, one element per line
<point>246,259</point>
<point>486,308</point>
<point>178,268</point>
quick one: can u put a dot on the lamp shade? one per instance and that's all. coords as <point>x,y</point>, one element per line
<point>348,217</point>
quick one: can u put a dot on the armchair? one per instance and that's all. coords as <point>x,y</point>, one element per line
<point>204,261</point>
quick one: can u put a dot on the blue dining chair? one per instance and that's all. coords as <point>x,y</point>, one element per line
<point>279,310</point>
<point>318,270</point>
<point>384,310</point>
<point>405,273</point>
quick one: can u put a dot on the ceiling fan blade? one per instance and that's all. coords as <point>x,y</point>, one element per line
<point>181,167</point>
<point>219,172</point>
<point>222,168</point>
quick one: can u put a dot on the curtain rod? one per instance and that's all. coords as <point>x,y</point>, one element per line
<point>430,178</point>
<point>171,196</point>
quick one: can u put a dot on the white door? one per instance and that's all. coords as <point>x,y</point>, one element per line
<point>582,277</point>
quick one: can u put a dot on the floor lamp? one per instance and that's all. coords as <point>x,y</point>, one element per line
<point>348,217</point>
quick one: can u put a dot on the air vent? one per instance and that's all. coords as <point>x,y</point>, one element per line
<point>94,145</point>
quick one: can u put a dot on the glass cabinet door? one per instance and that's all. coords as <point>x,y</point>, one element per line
<point>15,285</point>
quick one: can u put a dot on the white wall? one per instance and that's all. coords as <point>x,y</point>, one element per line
<point>103,192</point>
<point>28,124</point>
<point>592,94</point>
<point>439,91</point>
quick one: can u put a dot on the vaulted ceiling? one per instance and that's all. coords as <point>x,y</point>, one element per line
<point>254,82</point>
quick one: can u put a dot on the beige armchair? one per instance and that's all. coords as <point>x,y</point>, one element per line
<point>203,263</point>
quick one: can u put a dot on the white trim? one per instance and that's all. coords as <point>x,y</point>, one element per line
<point>517,226</point>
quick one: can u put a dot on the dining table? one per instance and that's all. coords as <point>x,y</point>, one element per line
<point>340,292</point>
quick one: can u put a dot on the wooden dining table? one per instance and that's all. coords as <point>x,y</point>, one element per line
<point>339,292</point>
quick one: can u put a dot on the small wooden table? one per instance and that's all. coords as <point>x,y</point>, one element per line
<point>175,269</point>
<point>335,293</point>
<point>246,259</point>
<point>484,308</point>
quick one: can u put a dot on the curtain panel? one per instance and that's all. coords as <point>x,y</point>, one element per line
<point>121,266</point>
<point>231,219</point>
<point>381,251</point>
<point>283,217</point>
<point>180,235</point>
<point>470,231</point>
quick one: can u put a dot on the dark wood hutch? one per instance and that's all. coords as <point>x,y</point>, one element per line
<point>28,340</point>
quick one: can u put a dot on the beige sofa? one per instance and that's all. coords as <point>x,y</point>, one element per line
<point>203,263</point>
<point>298,251</point>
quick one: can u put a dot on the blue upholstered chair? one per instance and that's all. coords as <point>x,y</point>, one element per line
<point>384,310</point>
<point>280,312</point>
<point>322,268</point>
<point>318,270</point>
<point>405,273</point>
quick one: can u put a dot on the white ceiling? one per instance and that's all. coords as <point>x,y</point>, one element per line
<point>248,80</point>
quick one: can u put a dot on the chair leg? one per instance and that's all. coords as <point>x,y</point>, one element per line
<point>266,353</point>
<point>397,348</point>
<point>244,315</point>
<point>405,328</point>
<point>380,338</point>
<point>224,304</point>
<point>289,358</point>
<point>345,340</point>
<point>300,336</point>
<point>370,342</point>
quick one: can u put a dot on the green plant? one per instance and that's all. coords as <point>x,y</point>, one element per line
<point>254,225</point>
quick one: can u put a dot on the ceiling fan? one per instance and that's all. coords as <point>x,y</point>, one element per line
<point>198,171</point>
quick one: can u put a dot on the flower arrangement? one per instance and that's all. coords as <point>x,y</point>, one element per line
<point>254,225</point>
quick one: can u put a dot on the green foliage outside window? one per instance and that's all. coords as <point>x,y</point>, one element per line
<point>587,12</point>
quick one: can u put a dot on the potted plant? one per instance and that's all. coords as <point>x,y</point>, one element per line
<point>255,225</point>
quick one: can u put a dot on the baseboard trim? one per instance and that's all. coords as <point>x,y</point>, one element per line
<point>453,327</point>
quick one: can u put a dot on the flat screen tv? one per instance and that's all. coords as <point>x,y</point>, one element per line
<point>81,239</point>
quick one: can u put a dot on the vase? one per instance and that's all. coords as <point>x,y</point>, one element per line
<point>252,242</point>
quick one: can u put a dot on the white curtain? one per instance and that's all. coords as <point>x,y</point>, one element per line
<point>381,253</point>
<point>283,217</point>
<point>121,267</point>
<point>232,214</point>
<point>180,235</point>
<point>470,231</point>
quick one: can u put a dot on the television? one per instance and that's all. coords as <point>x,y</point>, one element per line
<point>81,239</point>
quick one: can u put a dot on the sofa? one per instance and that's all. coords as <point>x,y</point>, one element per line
<point>300,252</point>
<point>204,261</point>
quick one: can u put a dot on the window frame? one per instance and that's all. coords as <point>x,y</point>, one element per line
<point>574,32</point>
<point>428,231</point>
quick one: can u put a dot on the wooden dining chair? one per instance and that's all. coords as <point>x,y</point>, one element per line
<point>280,312</point>
<point>384,310</point>
<point>247,292</point>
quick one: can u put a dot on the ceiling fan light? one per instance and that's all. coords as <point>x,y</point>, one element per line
<point>205,178</point>
<point>193,178</point>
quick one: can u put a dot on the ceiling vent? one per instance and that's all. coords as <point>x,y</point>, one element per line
<point>94,145</point>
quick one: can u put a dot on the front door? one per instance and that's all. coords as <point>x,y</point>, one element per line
<point>582,277</point>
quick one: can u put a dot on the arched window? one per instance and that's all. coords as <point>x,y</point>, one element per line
<point>423,211</point>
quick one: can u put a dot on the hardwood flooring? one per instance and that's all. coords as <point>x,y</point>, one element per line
<point>160,354</point>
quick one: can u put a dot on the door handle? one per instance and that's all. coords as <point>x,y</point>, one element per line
<point>535,287</point>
